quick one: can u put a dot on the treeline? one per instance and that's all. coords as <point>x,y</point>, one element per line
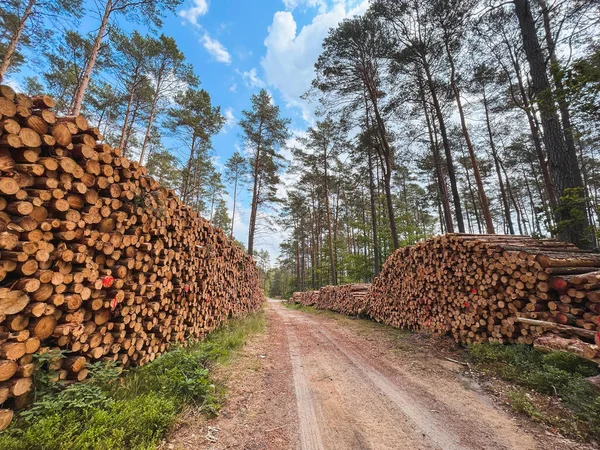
<point>474,116</point>
<point>137,88</point>
<point>144,96</point>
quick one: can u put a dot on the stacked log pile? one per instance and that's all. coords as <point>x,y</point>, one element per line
<point>97,258</point>
<point>497,288</point>
<point>308,298</point>
<point>350,299</point>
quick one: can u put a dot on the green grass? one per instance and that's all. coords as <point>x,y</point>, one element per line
<point>559,375</point>
<point>299,307</point>
<point>131,410</point>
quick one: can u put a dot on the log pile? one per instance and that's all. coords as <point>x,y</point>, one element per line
<point>496,288</point>
<point>349,299</point>
<point>96,257</point>
<point>308,298</point>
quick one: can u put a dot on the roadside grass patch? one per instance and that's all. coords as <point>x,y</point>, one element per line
<point>300,307</point>
<point>559,375</point>
<point>131,410</point>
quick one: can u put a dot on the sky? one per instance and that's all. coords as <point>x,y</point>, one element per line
<point>238,47</point>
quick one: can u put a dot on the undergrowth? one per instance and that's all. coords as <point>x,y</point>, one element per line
<point>559,375</point>
<point>130,410</point>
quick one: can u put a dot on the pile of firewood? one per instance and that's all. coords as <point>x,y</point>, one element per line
<point>308,298</point>
<point>496,288</point>
<point>350,299</point>
<point>95,257</point>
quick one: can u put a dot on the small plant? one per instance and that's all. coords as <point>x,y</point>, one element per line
<point>521,403</point>
<point>556,374</point>
<point>129,410</point>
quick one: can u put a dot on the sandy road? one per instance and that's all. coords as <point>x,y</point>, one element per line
<point>321,385</point>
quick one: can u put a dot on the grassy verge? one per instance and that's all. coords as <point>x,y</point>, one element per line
<point>130,410</point>
<point>548,387</point>
<point>299,307</point>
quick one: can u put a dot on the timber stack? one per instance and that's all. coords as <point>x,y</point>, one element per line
<point>349,299</point>
<point>496,288</point>
<point>308,298</point>
<point>95,257</point>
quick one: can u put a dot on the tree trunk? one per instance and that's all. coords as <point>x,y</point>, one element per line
<point>126,119</point>
<point>485,206</point>
<point>12,45</point>
<point>234,202</point>
<point>376,257</point>
<point>564,169</point>
<point>255,192</point>
<point>437,160</point>
<point>488,124</point>
<point>85,81</point>
<point>387,176</point>
<point>472,194</point>
<point>130,128</point>
<point>186,182</point>
<point>535,131</point>
<point>298,284</point>
<point>555,71</point>
<point>150,121</point>
<point>448,151</point>
<point>512,198</point>
<point>328,208</point>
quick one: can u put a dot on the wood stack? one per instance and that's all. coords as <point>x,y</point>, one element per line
<point>350,299</point>
<point>95,257</point>
<point>308,298</point>
<point>497,288</point>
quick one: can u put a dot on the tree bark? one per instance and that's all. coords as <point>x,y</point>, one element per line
<point>12,45</point>
<point>564,169</point>
<point>85,81</point>
<point>535,131</point>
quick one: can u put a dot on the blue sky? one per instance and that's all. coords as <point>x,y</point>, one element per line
<point>240,46</point>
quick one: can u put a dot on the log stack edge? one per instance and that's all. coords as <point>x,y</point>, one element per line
<point>479,288</point>
<point>97,258</point>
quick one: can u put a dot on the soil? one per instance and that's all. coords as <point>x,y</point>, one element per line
<point>324,381</point>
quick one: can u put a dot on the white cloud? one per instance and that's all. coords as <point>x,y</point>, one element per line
<point>230,118</point>
<point>233,87</point>
<point>192,14</point>
<point>291,54</point>
<point>290,5</point>
<point>251,79</point>
<point>216,49</point>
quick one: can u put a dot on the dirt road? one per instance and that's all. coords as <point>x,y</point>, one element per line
<point>319,382</point>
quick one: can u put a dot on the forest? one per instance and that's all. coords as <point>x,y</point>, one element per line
<point>445,116</point>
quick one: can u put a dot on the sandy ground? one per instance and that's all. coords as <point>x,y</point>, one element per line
<point>322,382</point>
